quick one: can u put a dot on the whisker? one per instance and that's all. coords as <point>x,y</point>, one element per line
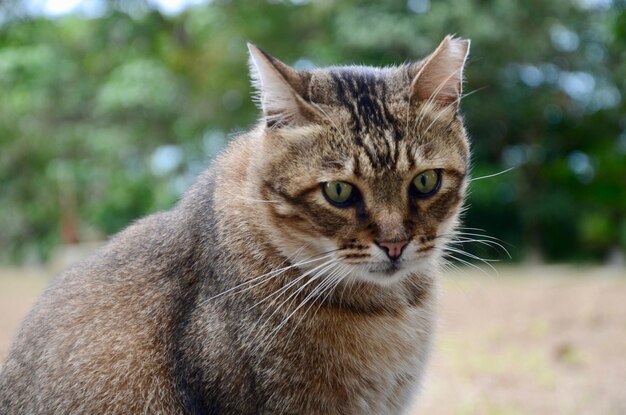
<point>468,264</point>
<point>333,282</point>
<point>472,229</point>
<point>310,298</point>
<point>467,94</point>
<point>492,244</point>
<point>279,293</point>
<point>292,297</point>
<point>493,175</point>
<point>317,292</point>
<point>346,283</point>
<point>489,239</point>
<point>292,283</point>
<point>268,276</point>
<point>312,294</point>
<point>332,278</point>
<point>459,232</point>
<point>338,279</point>
<point>277,271</point>
<point>451,265</point>
<point>486,261</point>
<point>282,291</point>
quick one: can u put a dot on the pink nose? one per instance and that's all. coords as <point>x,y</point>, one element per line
<point>393,249</point>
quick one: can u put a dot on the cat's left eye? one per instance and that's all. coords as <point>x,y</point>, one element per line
<point>426,183</point>
<point>340,194</point>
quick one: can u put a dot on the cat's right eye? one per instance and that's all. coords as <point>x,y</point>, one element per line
<point>426,183</point>
<point>340,194</point>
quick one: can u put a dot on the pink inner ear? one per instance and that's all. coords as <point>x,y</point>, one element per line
<point>440,78</point>
<point>277,84</point>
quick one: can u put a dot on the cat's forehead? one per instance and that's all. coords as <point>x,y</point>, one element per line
<point>376,130</point>
<point>386,158</point>
<point>358,87</point>
<point>359,101</point>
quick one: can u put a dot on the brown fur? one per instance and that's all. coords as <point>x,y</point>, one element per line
<point>195,311</point>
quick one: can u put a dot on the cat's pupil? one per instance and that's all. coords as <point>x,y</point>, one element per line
<point>338,189</point>
<point>423,180</point>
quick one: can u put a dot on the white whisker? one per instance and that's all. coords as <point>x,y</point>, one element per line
<point>472,256</point>
<point>493,175</point>
<point>470,234</point>
<point>317,292</point>
<point>266,277</point>
<point>469,264</point>
<point>324,267</point>
<point>286,287</point>
<point>338,279</point>
<point>451,265</point>
<point>486,242</point>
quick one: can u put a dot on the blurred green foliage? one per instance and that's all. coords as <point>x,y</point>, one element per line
<point>105,119</point>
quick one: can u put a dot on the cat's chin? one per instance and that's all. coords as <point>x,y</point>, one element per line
<point>386,274</point>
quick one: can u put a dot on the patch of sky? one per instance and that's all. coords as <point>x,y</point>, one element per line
<point>515,155</point>
<point>418,6</point>
<point>580,164</point>
<point>96,8</point>
<point>563,39</point>
<point>166,159</point>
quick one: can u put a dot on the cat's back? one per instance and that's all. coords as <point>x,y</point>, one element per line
<point>103,328</point>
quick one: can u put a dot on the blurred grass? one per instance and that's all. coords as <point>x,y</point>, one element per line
<point>524,340</point>
<point>19,287</point>
<point>23,281</point>
<point>531,340</point>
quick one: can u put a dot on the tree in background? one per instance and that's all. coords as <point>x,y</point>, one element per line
<point>104,119</point>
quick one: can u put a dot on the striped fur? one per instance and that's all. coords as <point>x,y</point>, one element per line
<point>254,295</point>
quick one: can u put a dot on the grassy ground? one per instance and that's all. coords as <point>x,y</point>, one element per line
<point>548,340</point>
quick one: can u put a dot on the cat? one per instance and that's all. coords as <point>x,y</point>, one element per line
<point>298,275</point>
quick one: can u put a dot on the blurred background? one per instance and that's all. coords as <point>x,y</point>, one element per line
<point>109,109</point>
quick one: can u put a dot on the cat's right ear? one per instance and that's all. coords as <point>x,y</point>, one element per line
<point>279,89</point>
<point>439,78</point>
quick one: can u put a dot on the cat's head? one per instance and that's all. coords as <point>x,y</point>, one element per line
<point>362,171</point>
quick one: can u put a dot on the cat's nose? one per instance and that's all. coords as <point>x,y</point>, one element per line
<point>393,249</point>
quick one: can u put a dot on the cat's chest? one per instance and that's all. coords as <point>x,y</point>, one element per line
<point>375,362</point>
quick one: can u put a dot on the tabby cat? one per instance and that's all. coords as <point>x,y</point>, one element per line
<point>297,276</point>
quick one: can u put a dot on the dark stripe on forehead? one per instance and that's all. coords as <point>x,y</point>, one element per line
<point>356,166</point>
<point>347,100</point>
<point>364,94</point>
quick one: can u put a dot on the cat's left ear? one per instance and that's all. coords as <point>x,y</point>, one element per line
<point>439,77</point>
<point>280,90</point>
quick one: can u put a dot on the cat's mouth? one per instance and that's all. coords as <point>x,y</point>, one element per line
<point>388,268</point>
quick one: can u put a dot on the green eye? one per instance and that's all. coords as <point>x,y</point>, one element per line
<point>338,193</point>
<point>427,183</point>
